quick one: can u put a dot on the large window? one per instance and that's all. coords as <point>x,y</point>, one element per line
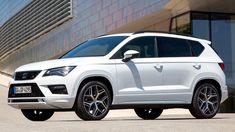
<point>222,36</point>
<point>181,24</point>
<point>201,25</point>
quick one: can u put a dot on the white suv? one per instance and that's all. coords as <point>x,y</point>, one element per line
<point>146,71</point>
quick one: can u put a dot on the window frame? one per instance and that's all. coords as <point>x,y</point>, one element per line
<point>157,49</point>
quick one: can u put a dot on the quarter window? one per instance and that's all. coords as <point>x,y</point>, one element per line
<point>196,48</point>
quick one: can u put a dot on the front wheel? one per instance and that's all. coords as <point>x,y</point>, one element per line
<point>206,101</point>
<point>93,101</point>
<point>148,113</point>
<point>37,115</point>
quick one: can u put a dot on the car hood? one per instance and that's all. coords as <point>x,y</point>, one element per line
<point>43,65</point>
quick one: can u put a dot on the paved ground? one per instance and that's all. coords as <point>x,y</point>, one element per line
<point>11,120</point>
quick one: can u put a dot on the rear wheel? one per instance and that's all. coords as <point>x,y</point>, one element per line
<point>206,101</point>
<point>148,113</point>
<point>37,115</point>
<point>93,101</point>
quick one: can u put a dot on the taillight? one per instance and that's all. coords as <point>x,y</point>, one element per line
<point>221,66</point>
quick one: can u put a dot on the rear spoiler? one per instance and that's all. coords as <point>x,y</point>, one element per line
<point>206,41</point>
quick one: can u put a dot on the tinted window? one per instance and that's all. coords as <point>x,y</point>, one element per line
<point>144,45</point>
<point>95,47</point>
<point>196,48</point>
<point>172,47</point>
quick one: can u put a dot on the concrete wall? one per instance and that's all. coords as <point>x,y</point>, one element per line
<point>90,18</point>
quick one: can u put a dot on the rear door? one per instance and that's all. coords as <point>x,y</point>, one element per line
<point>180,67</point>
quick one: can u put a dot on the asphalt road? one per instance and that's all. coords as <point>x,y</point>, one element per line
<point>11,120</point>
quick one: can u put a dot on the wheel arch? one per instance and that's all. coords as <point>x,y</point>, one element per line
<point>100,78</point>
<point>208,80</point>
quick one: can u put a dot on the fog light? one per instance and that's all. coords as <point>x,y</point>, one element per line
<point>58,89</point>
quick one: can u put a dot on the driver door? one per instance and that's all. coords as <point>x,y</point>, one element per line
<point>139,78</point>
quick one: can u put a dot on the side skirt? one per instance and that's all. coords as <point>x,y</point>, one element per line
<point>162,106</point>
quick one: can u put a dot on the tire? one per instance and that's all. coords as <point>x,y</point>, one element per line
<point>205,102</point>
<point>148,113</point>
<point>37,115</point>
<point>93,101</point>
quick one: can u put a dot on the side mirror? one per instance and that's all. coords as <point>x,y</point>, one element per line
<point>130,54</point>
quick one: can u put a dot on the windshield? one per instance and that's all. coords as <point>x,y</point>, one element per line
<point>95,47</point>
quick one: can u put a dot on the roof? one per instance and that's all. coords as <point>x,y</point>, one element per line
<point>163,34</point>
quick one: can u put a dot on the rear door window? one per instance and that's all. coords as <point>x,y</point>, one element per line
<point>173,47</point>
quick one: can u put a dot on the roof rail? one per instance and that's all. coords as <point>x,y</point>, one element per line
<point>149,31</point>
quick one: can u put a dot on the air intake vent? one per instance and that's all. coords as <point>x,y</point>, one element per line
<point>36,92</point>
<point>37,18</point>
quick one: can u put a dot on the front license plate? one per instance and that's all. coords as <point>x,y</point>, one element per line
<point>22,89</point>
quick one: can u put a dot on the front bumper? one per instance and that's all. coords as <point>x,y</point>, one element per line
<point>41,102</point>
<point>47,99</point>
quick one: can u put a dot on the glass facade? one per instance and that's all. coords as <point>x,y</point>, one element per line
<point>201,25</point>
<point>222,38</point>
<point>220,29</point>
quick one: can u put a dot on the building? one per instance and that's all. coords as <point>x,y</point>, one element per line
<point>36,30</point>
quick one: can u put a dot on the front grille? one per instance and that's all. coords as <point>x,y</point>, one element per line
<point>27,75</point>
<point>36,92</point>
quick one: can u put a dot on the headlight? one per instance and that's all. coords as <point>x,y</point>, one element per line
<point>59,71</point>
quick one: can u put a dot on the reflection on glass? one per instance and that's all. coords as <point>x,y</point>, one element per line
<point>221,37</point>
<point>200,25</point>
<point>183,24</point>
<point>173,25</point>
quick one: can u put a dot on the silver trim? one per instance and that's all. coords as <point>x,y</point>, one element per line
<point>95,100</point>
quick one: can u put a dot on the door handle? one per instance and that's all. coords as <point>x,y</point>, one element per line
<point>197,66</point>
<point>159,67</point>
